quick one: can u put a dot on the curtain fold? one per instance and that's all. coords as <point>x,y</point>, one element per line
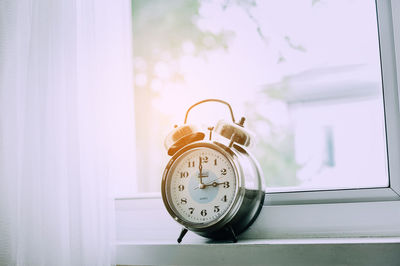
<point>66,128</point>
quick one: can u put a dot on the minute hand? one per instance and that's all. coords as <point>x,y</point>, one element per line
<point>201,185</point>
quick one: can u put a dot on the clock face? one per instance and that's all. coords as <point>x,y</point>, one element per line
<point>201,185</point>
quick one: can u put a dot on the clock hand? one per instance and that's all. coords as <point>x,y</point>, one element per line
<point>212,183</point>
<point>208,184</point>
<point>201,185</point>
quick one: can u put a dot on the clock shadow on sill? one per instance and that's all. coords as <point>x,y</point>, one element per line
<point>199,240</point>
<point>194,239</point>
<point>211,241</point>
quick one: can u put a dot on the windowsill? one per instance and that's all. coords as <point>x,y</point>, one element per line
<point>313,251</point>
<point>146,220</point>
<point>359,233</point>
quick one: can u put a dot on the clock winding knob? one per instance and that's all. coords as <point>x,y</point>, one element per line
<point>182,136</point>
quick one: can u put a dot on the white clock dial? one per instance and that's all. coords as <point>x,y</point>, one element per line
<point>201,185</point>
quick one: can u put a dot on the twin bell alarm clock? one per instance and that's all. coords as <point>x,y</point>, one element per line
<point>212,188</point>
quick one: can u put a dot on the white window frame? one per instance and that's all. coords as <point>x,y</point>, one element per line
<point>387,27</point>
<point>372,212</point>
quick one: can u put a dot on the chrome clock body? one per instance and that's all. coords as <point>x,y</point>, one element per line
<point>244,195</point>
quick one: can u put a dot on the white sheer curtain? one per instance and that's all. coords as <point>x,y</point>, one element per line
<point>66,128</point>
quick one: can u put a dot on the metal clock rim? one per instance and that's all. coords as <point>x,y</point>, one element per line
<point>239,189</point>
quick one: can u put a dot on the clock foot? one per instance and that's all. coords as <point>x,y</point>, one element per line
<point>182,234</point>
<point>234,238</point>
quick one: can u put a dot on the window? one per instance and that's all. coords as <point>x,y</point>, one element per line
<point>308,83</point>
<point>342,208</point>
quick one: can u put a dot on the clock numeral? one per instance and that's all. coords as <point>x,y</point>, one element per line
<point>191,164</point>
<point>224,198</point>
<point>223,171</point>
<point>203,212</point>
<point>205,159</point>
<point>215,162</point>
<point>191,210</point>
<point>181,187</point>
<point>184,174</point>
<point>226,184</point>
<point>216,209</point>
<point>183,200</point>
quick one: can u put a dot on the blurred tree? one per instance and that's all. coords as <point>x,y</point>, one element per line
<point>163,31</point>
<point>166,30</point>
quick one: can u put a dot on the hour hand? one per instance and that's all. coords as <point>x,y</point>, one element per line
<point>215,184</point>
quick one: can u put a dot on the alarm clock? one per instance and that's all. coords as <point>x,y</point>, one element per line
<point>212,185</point>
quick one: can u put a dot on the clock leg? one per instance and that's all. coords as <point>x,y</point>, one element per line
<point>234,238</point>
<point>182,234</point>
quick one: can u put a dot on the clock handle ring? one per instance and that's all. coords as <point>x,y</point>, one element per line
<point>210,100</point>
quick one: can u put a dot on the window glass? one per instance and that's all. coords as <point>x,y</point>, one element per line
<point>305,74</point>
